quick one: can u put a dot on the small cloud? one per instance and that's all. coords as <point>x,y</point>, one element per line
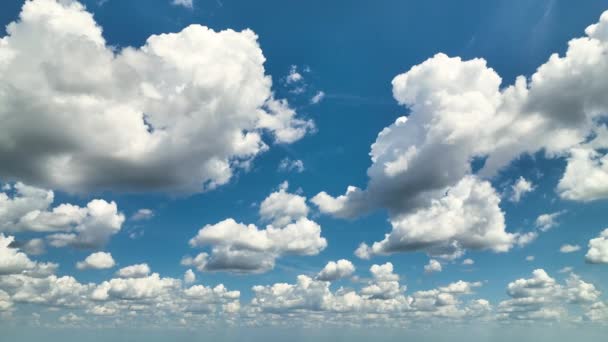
<point>520,188</point>
<point>468,262</point>
<point>183,3</point>
<point>96,261</point>
<point>530,258</point>
<point>566,269</point>
<point>569,248</point>
<point>289,165</point>
<point>294,76</point>
<point>433,266</point>
<point>545,222</point>
<point>319,96</point>
<point>142,214</point>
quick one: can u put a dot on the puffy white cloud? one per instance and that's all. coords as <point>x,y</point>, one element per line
<point>134,288</point>
<point>289,165</point>
<point>134,271</point>
<point>586,175</point>
<point>102,220</point>
<point>460,113</point>
<point>545,222</point>
<point>468,262</point>
<point>142,214</point>
<point>567,248</point>
<point>96,261</point>
<point>241,248</point>
<point>433,266</point>
<point>28,209</point>
<point>11,260</point>
<point>530,258</point>
<point>336,269</point>
<point>189,277</point>
<point>521,187</point>
<point>466,217</point>
<point>245,248</point>
<point>598,249</point>
<point>280,208</point>
<point>180,113</point>
<point>381,300</point>
<point>543,298</point>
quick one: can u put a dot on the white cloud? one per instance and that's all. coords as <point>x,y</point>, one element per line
<point>530,258</point>
<point>280,208</point>
<point>28,209</point>
<point>567,248</point>
<point>181,113</point>
<point>142,214</point>
<point>520,188</point>
<point>134,271</point>
<point>96,261</point>
<point>289,165</point>
<point>318,97</point>
<point>102,220</point>
<point>241,248</point>
<point>468,262</point>
<point>189,277</point>
<point>598,249</point>
<point>11,260</point>
<point>543,298</point>
<point>460,112</point>
<point>433,266</point>
<point>294,76</point>
<point>545,222</point>
<point>467,217</point>
<point>183,3</point>
<point>336,270</point>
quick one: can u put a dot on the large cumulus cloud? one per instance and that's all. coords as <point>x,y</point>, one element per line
<point>460,113</point>
<point>179,113</point>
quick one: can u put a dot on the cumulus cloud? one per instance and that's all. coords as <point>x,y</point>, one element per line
<point>468,216</point>
<point>11,260</point>
<point>567,248</point>
<point>433,266</point>
<point>521,187</point>
<point>598,249</point>
<point>543,298</point>
<point>335,270</point>
<point>381,299</point>
<point>241,248</point>
<point>189,277</point>
<point>96,261</point>
<point>460,112</point>
<point>586,175</point>
<point>289,165</point>
<point>181,113</point>
<point>282,207</point>
<point>134,271</point>
<point>545,222</point>
<point>24,208</point>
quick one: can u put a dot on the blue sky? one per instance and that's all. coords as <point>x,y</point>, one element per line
<point>267,124</point>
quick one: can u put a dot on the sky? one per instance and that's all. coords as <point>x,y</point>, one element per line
<point>251,170</point>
